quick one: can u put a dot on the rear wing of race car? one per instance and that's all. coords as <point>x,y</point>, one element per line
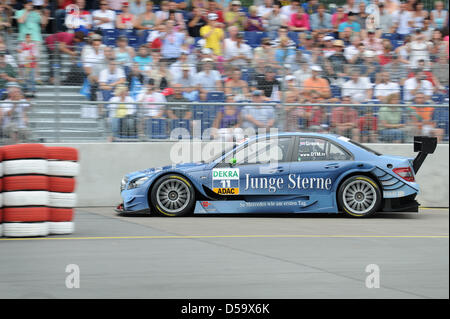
<point>424,145</point>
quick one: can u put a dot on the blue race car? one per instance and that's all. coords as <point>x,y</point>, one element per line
<point>286,173</point>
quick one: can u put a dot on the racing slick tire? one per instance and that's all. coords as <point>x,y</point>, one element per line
<point>173,195</point>
<point>359,196</point>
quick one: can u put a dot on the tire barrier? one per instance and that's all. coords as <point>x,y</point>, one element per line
<point>37,190</point>
<point>63,167</point>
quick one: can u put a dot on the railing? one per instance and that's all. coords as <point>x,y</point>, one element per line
<point>122,121</point>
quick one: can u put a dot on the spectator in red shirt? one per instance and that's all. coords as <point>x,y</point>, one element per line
<point>299,21</point>
<point>344,120</point>
<point>385,57</point>
<point>66,42</point>
<point>367,126</point>
<point>339,17</point>
<point>212,7</point>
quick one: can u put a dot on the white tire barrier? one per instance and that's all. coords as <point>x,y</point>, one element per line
<point>25,166</point>
<point>25,229</point>
<point>61,228</point>
<point>26,198</point>
<point>63,168</point>
<point>64,200</point>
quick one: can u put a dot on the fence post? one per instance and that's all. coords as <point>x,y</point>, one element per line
<point>57,81</point>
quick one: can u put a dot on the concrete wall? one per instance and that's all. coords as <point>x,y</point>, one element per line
<point>104,164</point>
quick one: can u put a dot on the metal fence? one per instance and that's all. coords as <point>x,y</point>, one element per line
<point>156,121</point>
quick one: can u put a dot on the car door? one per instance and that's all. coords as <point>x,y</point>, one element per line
<point>317,163</point>
<point>261,168</point>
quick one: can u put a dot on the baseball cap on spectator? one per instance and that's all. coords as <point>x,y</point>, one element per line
<point>206,51</point>
<point>167,91</point>
<point>316,68</point>
<point>257,93</point>
<point>371,31</point>
<point>207,60</point>
<point>185,67</point>
<point>95,36</point>
<point>156,44</point>
<point>369,54</point>
<point>125,4</point>
<point>235,3</point>
<point>289,78</point>
<point>328,38</point>
<point>150,81</point>
<point>212,16</point>
<point>185,52</point>
<point>308,36</point>
<point>351,14</point>
<point>201,43</point>
<point>339,43</point>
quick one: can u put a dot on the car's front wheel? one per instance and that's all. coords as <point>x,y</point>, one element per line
<point>173,195</point>
<point>359,196</point>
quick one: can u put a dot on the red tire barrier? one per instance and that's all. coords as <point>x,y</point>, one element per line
<point>24,151</point>
<point>61,184</point>
<point>1,215</point>
<point>61,214</point>
<point>62,153</point>
<point>26,214</point>
<point>25,183</point>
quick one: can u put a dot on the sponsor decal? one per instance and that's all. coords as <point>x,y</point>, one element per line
<point>294,182</point>
<point>391,194</point>
<point>205,204</point>
<point>225,181</point>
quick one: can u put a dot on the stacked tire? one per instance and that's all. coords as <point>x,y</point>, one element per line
<point>1,184</point>
<point>25,195</point>
<point>63,167</point>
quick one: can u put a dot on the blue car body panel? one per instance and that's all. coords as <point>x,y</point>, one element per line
<point>303,186</point>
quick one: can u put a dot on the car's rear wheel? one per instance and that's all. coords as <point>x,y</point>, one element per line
<point>173,195</point>
<point>359,196</point>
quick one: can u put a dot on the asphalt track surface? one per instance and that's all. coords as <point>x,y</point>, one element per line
<point>300,256</point>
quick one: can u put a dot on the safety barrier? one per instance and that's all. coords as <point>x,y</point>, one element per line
<point>37,190</point>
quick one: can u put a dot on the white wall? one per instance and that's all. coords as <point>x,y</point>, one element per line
<point>104,164</point>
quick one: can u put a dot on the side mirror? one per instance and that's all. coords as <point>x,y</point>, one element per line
<point>232,161</point>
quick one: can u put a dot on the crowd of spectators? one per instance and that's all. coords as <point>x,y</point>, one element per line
<point>211,50</point>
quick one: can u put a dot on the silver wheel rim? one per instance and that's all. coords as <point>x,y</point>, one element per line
<point>173,196</point>
<point>360,197</point>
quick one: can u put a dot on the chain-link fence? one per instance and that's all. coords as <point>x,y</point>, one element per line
<point>120,120</point>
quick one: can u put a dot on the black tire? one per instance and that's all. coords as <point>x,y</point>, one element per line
<point>173,195</point>
<point>359,196</point>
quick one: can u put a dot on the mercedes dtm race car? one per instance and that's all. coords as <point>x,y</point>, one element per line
<point>285,173</point>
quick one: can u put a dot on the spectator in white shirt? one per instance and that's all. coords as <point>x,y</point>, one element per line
<point>93,62</point>
<point>13,116</point>
<point>176,68</point>
<point>111,77</point>
<point>208,80</point>
<point>290,9</point>
<point>104,18</point>
<point>418,49</point>
<point>238,53</point>
<point>150,94</point>
<point>418,83</point>
<point>358,88</point>
<point>404,21</point>
<point>266,8</point>
<point>385,87</point>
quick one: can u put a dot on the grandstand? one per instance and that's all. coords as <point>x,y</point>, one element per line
<point>158,67</point>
